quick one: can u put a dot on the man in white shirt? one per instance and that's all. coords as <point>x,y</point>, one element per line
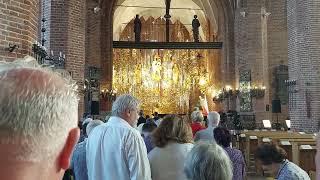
<point>207,134</point>
<point>116,150</point>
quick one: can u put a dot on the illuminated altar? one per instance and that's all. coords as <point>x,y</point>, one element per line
<point>165,80</point>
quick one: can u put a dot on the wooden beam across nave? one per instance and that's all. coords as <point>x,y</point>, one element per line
<point>166,45</point>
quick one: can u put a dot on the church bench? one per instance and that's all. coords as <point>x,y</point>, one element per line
<point>307,158</point>
<point>251,143</point>
<point>250,140</point>
<point>291,146</point>
<point>301,153</point>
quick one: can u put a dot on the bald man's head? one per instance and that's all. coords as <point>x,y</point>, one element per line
<point>38,109</point>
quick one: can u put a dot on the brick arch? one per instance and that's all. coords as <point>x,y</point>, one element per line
<point>221,9</point>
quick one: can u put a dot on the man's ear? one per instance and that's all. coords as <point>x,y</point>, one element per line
<point>65,156</point>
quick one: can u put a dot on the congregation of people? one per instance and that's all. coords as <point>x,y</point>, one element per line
<point>40,138</point>
<point>175,148</point>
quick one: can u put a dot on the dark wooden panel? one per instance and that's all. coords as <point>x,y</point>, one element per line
<point>306,159</point>
<point>166,45</point>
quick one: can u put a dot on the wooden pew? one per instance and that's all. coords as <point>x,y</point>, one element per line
<point>313,175</point>
<point>293,149</point>
<point>287,146</point>
<point>306,158</point>
<point>267,134</point>
<point>242,142</point>
<point>294,141</point>
<point>301,152</point>
<point>272,135</point>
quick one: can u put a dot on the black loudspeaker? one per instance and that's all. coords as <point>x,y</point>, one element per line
<point>95,107</point>
<point>276,106</point>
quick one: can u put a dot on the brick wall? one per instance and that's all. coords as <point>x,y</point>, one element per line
<point>226,35</point>
<point>75,54</point>
<point>304,64</point>
<point>20,22</point>
<point>65,25</point>
<point>93,37</point>
<point>260,45</point>
<point>18,26</point>
<point>277,47</point>
<point>93,44</point>
<point>59,21</point>
<point>56,14</point>
<point>249,31</point>
<point>106,38</point>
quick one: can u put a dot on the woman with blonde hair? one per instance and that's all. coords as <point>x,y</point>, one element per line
<point>173,141</point>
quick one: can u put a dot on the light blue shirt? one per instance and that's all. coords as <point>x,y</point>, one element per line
<point>290,171</point>
<point>78,161</point>
<point>205,135</point>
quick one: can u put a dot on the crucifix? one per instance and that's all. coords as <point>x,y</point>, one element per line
<point>167,16</point>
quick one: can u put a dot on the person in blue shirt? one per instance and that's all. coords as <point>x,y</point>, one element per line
<point>273,159</point>
<point>78,161</point>
<point>147,129</point>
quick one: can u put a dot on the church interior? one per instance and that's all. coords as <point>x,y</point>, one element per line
<point>256,62</point>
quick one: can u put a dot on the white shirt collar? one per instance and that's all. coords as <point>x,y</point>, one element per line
<point>117,120</point>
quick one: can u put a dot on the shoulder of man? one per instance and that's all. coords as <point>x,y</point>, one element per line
<point>131,133</point>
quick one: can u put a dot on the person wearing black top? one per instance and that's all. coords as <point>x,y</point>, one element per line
<point>141,118</point>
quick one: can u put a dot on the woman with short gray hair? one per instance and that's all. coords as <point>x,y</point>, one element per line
<point>197,119</point>
<point>208,162</point>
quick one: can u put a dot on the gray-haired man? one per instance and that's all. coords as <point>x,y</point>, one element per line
<point>38,123</point>
<point>116,150</point>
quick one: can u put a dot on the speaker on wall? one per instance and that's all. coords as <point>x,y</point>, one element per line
<point>276,106</point>
<point>95,107</point>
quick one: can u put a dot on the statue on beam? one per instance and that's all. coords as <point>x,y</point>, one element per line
<point>167,16</point>
<point>195,28</point>
<point>137,28</point>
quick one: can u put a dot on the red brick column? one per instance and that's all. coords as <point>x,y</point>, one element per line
<point>106,49</point>
<point>75,52</point>
<point>261,46</point>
